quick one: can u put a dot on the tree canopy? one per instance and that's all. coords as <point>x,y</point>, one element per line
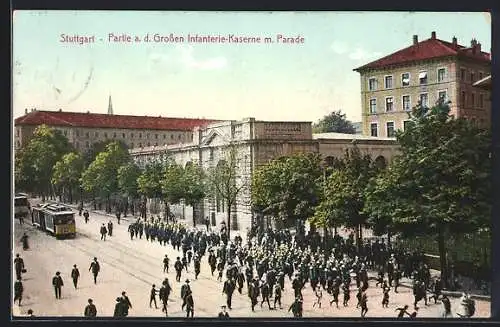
<point>334,122</point>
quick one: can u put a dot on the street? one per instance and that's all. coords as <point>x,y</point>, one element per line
<point>134,265</point>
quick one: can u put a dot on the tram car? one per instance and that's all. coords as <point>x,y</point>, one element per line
<point>56,219</point>
<point>21,205</point>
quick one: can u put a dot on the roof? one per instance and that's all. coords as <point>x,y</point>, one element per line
<point>343,136</point>
<point>484,83</point>
<point>429,49</point>
<point>79,119</point>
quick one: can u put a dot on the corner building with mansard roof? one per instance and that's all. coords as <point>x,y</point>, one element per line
<point>424,72</point>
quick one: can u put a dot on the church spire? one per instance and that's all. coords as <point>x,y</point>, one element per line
<point>110,106</point>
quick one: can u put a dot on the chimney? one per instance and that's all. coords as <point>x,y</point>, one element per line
<point>25,111</point>
<point>433,35</point>
<point>415,39</point>
<point>454,41</point>
<point>479,47</point>
<point>60,110</point>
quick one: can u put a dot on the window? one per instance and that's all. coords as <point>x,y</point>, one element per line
<point>480,75</point>
<point>149,144</point>
<point>472,100</point>
<point>147,136</point>
<point>481,100</point>
<point>463,98</point>
<point>422,77</point>
<point>374,129</point>
<point>390,129</point>
<point>179,136</point>
<point>406,102</point>
<point>472,77</point>
<point>18,133</point>
<point>123,135</point>
<point>106,135</point>
<point>406,124</point>
<point>389,104</point>
<point>65,133</point>
<point>441,74</point>
<point>164,136</point>
<point>372,84</point>
<point>171,136</point>
<point>424,100</point>
<point>140,145</point>
<point>405,79</point>
<point>96,134</point>
<point>462,74</point>
<point>77,133</point>
<point>140,135</point>
<point>373,106</point>
<point>442,96</point>
<point>87,134</point>
<point>131,135</point>
<point>156,136</point>
<point>388,82</point>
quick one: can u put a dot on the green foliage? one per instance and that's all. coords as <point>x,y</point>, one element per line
<point>68,170</point>
<point>343,192</point>
<point>287,188</point>
<point>150,181</point>
<point>127,179</point>
<point>172,183</point>
<point>101,176</point>
<point>194,184</point>
<point>90,154</point>
<point>335,122</point>
<point>35,162</point>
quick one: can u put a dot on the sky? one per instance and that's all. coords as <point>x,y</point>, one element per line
<point>267,81</point>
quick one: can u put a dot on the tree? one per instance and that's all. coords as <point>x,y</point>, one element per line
<point>35,162</point>
<point>67,172</point>
<point>172,183</point>
<point>335,122</point>
<point>195,188</point>
<point>95,148</point>
<point>440,185</point>
<point>150,181</point>
<point>101,175</point>
<point>287,188</point>
<point>343,199</point>
<point>226,182</point>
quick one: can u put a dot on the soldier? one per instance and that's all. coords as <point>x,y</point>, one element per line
<point>90,309</point>
<point>197,266</point>
<point>126,303</point>
<point>447,307</point>
<point>103,232</point>
<point>19,266</point>
<point>396,279</point>
<point>164,297</point>
<point>95,267</point>
<point>228,289</point>
<point>437,291</point>
<point>189,304</point>
<point>18,291</point>
<point>240,278</point>
<point>277,295</point>
<point>223,314</point>
<point>75,274</point>
<point>347,294</point>
<point>178,269</point>
<point>335,294</point>
<point>212,261</point>
<point>296,308</point>
<point>185,263</point>
<point>364,304</point>
<point>152,296</point>
<point>385,298</point>
<point>131,230</point>
<point>166,261</point>
<point>57,282</point>
<point>254,293</point>
<point>319,296</point>
<point>266,292</point>
<point>185,291</point>
<point>358,296</point>
<point>86,216</point>
<point>110,227</point>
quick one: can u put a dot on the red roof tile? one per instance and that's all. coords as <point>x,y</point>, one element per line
<point>428,49</point>
<point>78,119</point>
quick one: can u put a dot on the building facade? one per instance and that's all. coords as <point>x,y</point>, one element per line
<point>85,129</point>
<point>255,143</point>
<point>424,72</point>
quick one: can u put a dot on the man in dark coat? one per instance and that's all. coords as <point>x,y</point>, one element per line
<point>228,289</point>
<point>223,314</point>
<point>58,283</point>
<point>254,292</point>
<point>185,291</point>
<point>189,305</point>
<point>178,269</point>
<point>95,267</point>
<point>18,291</point>
<point>212,261</point>
<point>297,307</point>
<point>120,308</point>
<point>131,230</point>
<point>266,292</point>
<point>86,216</point>
<point>19,266</point>
<point>103,231</point>
<point>163,294</point>
<point>75,274</point>
<point>277,295</point>
<point>152,296</point>
<point>110,228</point>
<point>197,266</point>
<point>126,303</point>
<point>166,261</point>
<point>90,309</point>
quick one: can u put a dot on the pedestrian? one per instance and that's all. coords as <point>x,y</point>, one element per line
<point>347,294</point>
<point>131,230</point>
<point>446,307</point>
<point>197,266</point>
<point>189,305</point>
<point>397,277</point>
<point>223,314</point>
<point>75,274</point>
<point>19,266</point>
<point>86,216</point>
<point>18,291</point>
<point>80,209</point>
<point>277,295</point>
<point>385,297</point>
<point>152,296</point>
<point>58,283</point>
<point>30,313</point>
<point>24,240</point>
<point>178,269</point>
<point>185,291</point>
<point>90,309</point>
<point>436,291</point>
<point>95,267</point>
<point>228,289</point>
<point>319,296</point>
<point>296,307</point>
<point>335,295</point>
<point>110,228</point>
<point>207,223</point>
<point>212,261</point>
<point>103,231</point>
<point>119,308</point>
<point>266,292</point>
<point>402,312</point>
<point>166,261</point>
<point>118,216</point>
<point>185,263</point>
<point>358,296</point>
<point>163,298</point>
<point>126,303</point>
<point>364,304</point>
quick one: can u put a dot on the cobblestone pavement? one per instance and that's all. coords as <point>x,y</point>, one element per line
<point>133,265</point>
